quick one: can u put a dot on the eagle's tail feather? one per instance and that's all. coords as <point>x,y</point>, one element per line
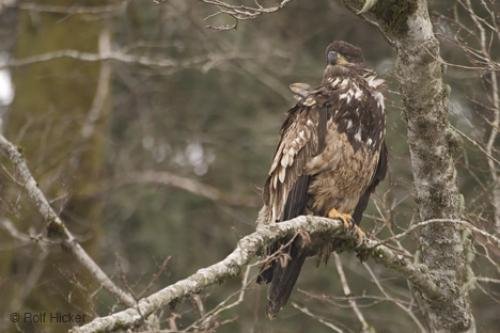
<point>283,280</point>
<point>266,272</point>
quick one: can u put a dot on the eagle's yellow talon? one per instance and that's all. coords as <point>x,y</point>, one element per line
<point>360,233</point>
<point>345,218</point>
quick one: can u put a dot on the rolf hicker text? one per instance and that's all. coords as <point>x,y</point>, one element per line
<point>47,317</point>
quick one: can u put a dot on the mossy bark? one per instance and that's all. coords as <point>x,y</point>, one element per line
<point>444,248</point>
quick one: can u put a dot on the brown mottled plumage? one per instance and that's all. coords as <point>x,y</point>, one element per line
<point>330,157</point>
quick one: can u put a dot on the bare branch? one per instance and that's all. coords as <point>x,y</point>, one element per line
<point>207,318</point>
<point>190,185</point>
<point>477,144</point>
<point>32,278</point>
<point>490,67</point>
<point>54,222</point>
<point>367,6</point>
<point>248,248</point>
<point>407,310</point>
<point>102,88</point>
<point>121,56</point>
<point>90,57</point>
<point>365,327</point>
<point>307,312</point>
<point>34,7</point>
<point>243,12</point>
<point>9,227</point>
<point>492,238</point>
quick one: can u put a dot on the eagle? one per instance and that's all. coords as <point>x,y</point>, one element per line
<point>330,158</point>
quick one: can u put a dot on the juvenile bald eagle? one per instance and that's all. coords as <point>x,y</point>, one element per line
<point>330,158</point>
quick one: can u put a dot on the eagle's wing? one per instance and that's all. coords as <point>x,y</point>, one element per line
<point>286,189</point>
<point>377,177</point>
<point>302,134</point>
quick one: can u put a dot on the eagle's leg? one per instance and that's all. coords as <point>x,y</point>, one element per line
<point>359,234</point>
<point>345,218</point>
<point>347,221</point>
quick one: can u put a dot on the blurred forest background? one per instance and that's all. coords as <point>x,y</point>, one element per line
<point>151,130</point>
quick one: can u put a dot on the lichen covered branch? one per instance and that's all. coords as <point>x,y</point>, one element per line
<point>247,249</point>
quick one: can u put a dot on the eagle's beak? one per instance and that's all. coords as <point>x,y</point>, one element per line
<point>335,58</point>
<point>341,60</point>
<point>331,57</point>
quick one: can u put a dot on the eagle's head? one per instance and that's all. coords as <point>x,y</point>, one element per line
<point>342,58</point>
<point>342,53</point>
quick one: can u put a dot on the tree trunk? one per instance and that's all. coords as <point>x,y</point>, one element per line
<point>444,247</point>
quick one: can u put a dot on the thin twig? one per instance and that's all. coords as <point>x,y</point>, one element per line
<point>71,9</point>
<point>492,238</point>
<point>393,300</point>
<point>347,292</point>
<point>307,312</point>
<point>189,185</point>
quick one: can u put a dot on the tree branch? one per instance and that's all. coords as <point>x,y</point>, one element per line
<point>365,327</point>
<point>248,248</point>
<point>243,12</point>
<point>72,9</point>
<point>321,320</point>
<point>121,56</point>
<point>187,184</point>
<point>57,229</point>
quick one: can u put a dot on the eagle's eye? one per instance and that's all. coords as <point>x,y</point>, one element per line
<point>331,57</point>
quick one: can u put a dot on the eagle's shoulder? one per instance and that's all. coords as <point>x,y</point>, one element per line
<point>357,108</point>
